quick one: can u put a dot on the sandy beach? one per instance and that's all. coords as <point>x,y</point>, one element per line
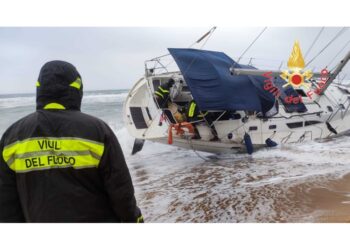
<point>332,201</point>
<point>297,184</point>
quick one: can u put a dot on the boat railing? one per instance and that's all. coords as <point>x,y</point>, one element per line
<point>158,65</point>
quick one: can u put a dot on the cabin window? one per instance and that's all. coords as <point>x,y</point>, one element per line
<point>272,127</point>
<point>295,124</point>
<point>253,128</point>
<point>308,123</point>
<point>291,107</point>
<point>301,92</point>
<point>156,84</point>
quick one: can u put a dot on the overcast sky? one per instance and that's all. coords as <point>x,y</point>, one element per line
<point>113,58</point>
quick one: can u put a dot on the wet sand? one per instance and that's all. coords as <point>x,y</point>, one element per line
<point>306,202</point>
<point>243,189</point>
<point>332,201</point>
<point>296,183</point>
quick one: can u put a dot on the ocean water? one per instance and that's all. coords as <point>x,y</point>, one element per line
<point>307,182</point>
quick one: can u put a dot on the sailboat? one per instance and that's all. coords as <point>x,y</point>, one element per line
<point>252,108</point>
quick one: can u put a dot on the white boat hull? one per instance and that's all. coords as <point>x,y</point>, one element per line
<point>332,107</point>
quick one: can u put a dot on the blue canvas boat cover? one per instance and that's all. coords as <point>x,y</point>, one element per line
<point>208,76</point>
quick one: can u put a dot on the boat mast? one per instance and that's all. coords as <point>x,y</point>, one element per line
<point>336,72</point>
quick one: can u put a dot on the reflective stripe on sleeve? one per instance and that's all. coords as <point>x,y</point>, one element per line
<point>163,90</point>
<point>191,110</point>
<point>46,153</point>
<point>159,94</point>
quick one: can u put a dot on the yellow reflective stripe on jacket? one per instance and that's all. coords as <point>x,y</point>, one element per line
<point>139,219</point>
<point>159,94</point>
<point>191,110</point>
<point>53,161</point>
<point>45,153</point>
<point>76,84</point>
<point>163,90</point>
<point>54,105</point>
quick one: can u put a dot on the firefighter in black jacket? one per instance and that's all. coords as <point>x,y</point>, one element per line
<point>61,165</point>
<point>162,94</point>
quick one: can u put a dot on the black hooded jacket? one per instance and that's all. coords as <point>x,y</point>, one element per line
<point>61,165</point>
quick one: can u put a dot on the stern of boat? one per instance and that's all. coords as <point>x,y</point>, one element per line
<point>141,115</point>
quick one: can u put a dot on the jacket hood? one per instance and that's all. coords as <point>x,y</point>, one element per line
<point>59,83</point>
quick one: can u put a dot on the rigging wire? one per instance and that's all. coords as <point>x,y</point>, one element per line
<point>338,53</point>
<point>260,34</point>
<point>328,44</point>
<point>206,35</point>
<point>314,42</point>
<point>210,32</point>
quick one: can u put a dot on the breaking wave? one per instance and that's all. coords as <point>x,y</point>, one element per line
<point>15,102</point>
<point>89,98</point>
<point>104,98</point>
